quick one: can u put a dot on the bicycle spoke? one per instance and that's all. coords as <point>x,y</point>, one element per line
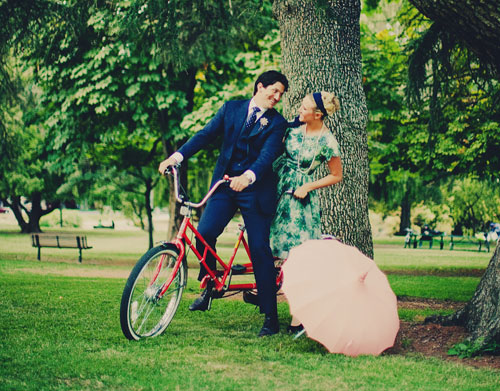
<point>144,313</point>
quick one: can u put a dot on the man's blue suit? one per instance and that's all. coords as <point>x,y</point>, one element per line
<point>257,202</point>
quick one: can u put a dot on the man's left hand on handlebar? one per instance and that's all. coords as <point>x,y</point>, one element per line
<point>239,183</point>
<point>166,163</point>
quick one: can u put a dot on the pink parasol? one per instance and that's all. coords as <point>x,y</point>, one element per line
<point>341,298</point>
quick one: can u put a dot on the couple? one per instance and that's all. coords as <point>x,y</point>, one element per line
<point>253,134</point>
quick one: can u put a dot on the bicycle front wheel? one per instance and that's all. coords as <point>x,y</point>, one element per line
<point>144,310</point>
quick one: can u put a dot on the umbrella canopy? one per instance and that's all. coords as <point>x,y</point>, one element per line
<point>341,298</point>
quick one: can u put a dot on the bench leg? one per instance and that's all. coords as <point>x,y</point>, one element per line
<point>39,250</point>
<point>80,256</point>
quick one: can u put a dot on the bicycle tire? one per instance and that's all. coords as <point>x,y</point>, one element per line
<point>142,313</point>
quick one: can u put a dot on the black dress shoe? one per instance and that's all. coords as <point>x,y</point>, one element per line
<point>202,303</point>
<point>251,298</point>
<point>271,326</point>
<point>295,329</point>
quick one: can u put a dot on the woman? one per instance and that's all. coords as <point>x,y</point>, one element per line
<point>297,216</point>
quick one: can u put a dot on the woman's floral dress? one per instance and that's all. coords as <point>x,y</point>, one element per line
<point>297,221</point>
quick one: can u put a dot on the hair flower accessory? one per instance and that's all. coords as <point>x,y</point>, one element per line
<point>264,122</point>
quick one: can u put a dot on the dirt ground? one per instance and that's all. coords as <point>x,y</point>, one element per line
<point>435,340</point>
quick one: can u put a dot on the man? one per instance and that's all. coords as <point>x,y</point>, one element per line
<point>252,133</point>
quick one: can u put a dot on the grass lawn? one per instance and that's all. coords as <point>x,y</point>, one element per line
<point>59,328</point>
<point>63,333</point>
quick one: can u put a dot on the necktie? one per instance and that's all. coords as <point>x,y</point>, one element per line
<point>252,118</point>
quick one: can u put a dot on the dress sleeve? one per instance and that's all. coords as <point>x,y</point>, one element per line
<point>331,147</point>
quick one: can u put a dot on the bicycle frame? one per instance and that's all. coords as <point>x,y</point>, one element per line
<point>221,278</point>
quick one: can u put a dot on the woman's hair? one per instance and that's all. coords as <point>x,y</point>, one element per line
<point>330,102</point>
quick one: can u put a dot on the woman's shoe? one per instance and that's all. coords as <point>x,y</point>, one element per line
<point>295,329</point>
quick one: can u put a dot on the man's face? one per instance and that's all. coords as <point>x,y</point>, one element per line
<point>268,97</point>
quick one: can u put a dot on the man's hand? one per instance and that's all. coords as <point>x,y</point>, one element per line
<point>164,164</point>
<point>239,183</point>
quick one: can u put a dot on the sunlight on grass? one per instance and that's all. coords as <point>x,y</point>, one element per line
<point>60,326</point>
<point>65,335</point>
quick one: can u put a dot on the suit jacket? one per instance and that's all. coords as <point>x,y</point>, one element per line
<point>265,145</point>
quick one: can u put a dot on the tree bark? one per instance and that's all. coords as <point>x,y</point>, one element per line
<point>475,23</point>
<point>320,43</point>
<point>405,221</point>
<point>481,315</point>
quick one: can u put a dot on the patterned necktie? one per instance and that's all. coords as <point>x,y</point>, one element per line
<point>252,118</point>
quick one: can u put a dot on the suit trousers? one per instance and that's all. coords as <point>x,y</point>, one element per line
<point>219,211</point>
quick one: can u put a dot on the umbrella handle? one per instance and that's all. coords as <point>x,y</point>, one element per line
<point>299,334</point>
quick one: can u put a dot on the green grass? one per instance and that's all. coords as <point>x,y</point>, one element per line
<point>63,333</point>
<point>59,327</point>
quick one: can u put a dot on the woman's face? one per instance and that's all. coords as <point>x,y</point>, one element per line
<point>307,111</point>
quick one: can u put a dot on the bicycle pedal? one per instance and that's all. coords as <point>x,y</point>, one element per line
<point>238,269</point>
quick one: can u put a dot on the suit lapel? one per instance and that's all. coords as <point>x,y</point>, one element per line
<point>240,116</point>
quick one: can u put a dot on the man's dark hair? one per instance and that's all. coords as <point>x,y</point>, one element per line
<point>271,77</point>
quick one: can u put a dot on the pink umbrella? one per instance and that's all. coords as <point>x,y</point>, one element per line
<point>341,298</point>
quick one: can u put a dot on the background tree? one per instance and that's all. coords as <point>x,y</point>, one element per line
<point>466,144</point>
<point>119,77</point>
<point>321,51</point>
<point>476,24</point>
<point>28,184</point>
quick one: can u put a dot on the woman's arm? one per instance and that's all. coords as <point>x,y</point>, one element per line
<point>335,176</point>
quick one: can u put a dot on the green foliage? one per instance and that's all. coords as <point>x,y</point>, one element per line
<point>117,78</point>
<point>53,219</point>
<point>432,126</point>
<point>395,164</point>
<point>477,347</point>
<point>473,203</point>
<point>448,85</point>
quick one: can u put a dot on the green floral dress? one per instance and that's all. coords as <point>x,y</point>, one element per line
<point>297,221</point>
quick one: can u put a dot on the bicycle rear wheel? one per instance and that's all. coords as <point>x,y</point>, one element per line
<point>143,311</point>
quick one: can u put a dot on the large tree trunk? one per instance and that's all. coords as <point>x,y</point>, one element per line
<point>476,23</point>
<point>34,214</point>
<point>481,315</point>
<point>321,52</point>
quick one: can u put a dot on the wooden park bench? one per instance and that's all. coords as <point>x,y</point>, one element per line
<point>412,239</point>
<point>457,239</point>
<point>60,241</point>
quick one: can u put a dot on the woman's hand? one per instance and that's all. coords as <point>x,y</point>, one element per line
<point>301,192</point>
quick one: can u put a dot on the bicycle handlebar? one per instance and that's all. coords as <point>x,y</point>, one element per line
<point>173,171</point>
